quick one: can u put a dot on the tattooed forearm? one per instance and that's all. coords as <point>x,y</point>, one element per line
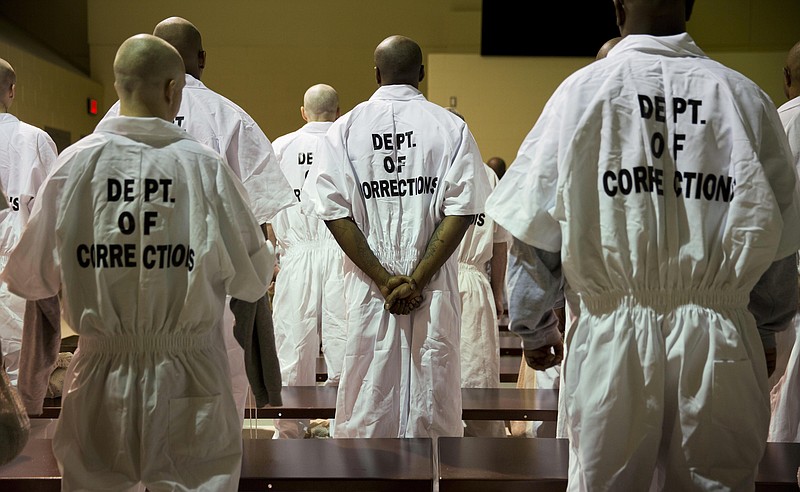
<point>443,242</point>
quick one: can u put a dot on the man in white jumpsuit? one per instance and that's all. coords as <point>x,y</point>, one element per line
<point>397,183</point>
<point>661,179</point>
<point>483,248</point>
<point>145,231</point>
<point>27,155</point>
<point>309,291</point>
<point>225,127</point>
<point>785,396</point>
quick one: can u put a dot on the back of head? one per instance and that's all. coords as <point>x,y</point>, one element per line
<point>498,165</point>
<point>148,77</point>
<point>185,37</point>
<point>398,60</point>
<point>791,73</point>
<point>8,78</point>
<point>607,46</point>
<point>321,103</point>
<point>653,17</point>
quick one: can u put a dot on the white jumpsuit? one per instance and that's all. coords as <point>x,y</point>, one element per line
<point>309,291</point>
<point>398,164</point>
<point>27,155</point>
<point>145,231</point>
<point>219,123</point>
<point>663,179</point>
<point>480,335</point>
<point>785,397</point>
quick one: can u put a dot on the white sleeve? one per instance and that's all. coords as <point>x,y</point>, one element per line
<point>34,267</point>
<point>241,241</point>
<point>525,199</point>
<point>466,183</point>
<point>329,189</point>
<point>260,171</point>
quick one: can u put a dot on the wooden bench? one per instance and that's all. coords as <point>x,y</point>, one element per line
<point>319,402</point>
<point>484,464</point>
<point>276,464</point>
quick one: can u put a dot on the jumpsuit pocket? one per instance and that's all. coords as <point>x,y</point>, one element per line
<point>196,426</point>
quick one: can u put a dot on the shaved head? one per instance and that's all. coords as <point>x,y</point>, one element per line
<point>147,72</point>
<point>398,60</point>
<point>8,78</point>
<point>603,51</point>
<point>185,37</point>
<point>498,165</point>
<point>320,103</point>
<point>791,73</point>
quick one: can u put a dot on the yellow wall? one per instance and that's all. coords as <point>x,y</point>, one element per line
<point>264,54</point>
<point>49,92</point>
<point>501,97</point>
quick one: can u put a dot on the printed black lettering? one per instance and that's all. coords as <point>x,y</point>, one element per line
<point>190,260</point>
<point>297,194</point>
<point>364,189</point>
<point>645,106</point>
<point>677,145</point>
<point>149,221</point>
<point>301,158</point>
<point>115,255</point>
<point>375,189</point>
<point>608,187</point>
<point>724,188</point>
<point>101,255</point>
<point>179,121</point>
<point>678,107</point>
<point>689,179</point>
<point>695,104</point>
<point>656,177</point>
<point>657,145</point>
<point>481,219</point>
<point>377,142</point>
<point>709,187</point>
<point>178,255</point>
<point>387,141</point>
<point>393,187</point>
<point>84,259</point>
<point>699,186</point>
<point>130,255</point>
<point>15,204</point>
<point>661,112</point>
<point>147,261</point>
<point>625,182</point>
<point>384,188</point>
<point>640,179</point>
<point>388,164</point>
<point>126,223</point>
<point>401,187</point>
<point>676,183</point>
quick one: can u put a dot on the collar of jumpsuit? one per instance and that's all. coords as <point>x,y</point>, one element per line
<point>678,45</point>
<point>150,130</point>
<point>399,92</point>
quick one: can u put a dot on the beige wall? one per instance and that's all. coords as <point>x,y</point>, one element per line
<point>501,97</point>
<point>264,54</point>
<point>49,91</point>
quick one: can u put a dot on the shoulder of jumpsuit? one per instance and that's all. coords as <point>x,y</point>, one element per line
<point>152,131</point>
<point>221,103</point>
<point>8,118</point>
<point>789,112</point>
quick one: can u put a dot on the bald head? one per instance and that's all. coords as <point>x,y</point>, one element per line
<point>791,73</point>
<point>653,17</point>
<point>185,37</point>
<point>148,77</point>
<point>603,51</point>
<point>398,60</point>
<point>8,80</point>
<point>320,103</point>
<point>498,165</point>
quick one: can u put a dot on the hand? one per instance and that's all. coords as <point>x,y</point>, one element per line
<point>403,295</point>
<point>772,360</point>
<point>498,304</point>
<point>544,357</point>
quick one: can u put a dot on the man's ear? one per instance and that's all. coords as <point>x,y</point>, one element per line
<point>170,91</point>
<point>619,11</point>
<point>12,91</point>
<point>378,75</point>
<point>303,113</point>
<point>201,60</point>
<point>421,72</point>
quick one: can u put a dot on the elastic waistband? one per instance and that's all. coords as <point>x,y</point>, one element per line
<point>312,244</point>
<point>471,267</point>
<point>146,343</point>
<point>668,299</point>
